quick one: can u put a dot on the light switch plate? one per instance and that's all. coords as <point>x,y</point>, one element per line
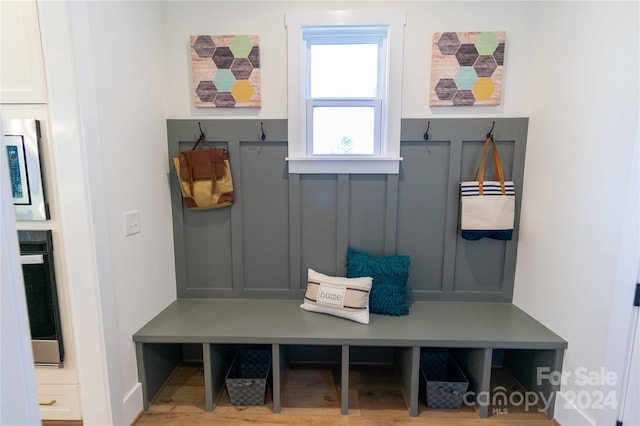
<point>131,223</point>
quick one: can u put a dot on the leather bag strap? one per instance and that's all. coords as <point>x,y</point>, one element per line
<point>187,168</point>
<point>213,156</point>
<point>498,173</point>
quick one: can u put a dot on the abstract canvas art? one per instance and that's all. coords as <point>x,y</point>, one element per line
<point>226,71</point>
<point>466,68</point>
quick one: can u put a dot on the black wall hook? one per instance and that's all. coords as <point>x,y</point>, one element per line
<point>263,136</point>
<point>426,134</point>
<point>201,138</point>
<point>490,134</point>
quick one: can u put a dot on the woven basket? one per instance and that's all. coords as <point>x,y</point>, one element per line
<point>247,377</point>
<point>445,381</point>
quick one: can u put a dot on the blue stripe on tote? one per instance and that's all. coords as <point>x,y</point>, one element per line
<point>498,189</point>
<point>485,183</point>
<point>486,187</point>
<point>504,234</point>
<point>477,194</point>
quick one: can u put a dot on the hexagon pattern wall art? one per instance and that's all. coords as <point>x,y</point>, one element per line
<point>466,68</point>
<point>226,71</point>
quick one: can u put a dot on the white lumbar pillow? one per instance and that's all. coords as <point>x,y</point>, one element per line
<point>343,297</point>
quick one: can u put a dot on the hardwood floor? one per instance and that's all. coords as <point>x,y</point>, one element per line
<point>311,397</point>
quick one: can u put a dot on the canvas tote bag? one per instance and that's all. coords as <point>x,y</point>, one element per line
<point>205,178</point>
<point>487,207</point>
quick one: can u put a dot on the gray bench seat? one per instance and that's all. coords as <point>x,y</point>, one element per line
<point>476,329</point>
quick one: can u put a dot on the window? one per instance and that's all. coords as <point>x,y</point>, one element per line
<point>345,83</point>
<point>345,69</point>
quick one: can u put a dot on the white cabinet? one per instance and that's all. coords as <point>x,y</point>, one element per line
<point>59,402</point>
<point>22,76</point>
<point>53,384</point>
<point>23,95</point>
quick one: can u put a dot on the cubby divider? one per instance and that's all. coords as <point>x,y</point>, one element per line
<point>476,364</point>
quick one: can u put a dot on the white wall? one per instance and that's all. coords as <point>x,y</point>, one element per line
<point>266,19</point>
<point>75,215</point>
<point>578,242</point>
<point>126,108</point>
<point>107,90</point>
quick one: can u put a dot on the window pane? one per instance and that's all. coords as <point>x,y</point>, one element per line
<point>343,130</point>
<point>344,70</point>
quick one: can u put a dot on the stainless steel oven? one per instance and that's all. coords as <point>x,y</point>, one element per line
<point>36,255</point>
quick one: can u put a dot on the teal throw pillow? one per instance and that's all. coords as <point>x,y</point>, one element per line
<point>390,274</point>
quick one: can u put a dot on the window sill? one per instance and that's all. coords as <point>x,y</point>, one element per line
<point>344,165</point>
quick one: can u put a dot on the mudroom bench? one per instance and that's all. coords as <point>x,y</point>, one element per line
<point>477,332</point>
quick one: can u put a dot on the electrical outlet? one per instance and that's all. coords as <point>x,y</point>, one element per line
<point>131,223</point>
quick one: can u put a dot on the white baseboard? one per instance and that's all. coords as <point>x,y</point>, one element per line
<point>132,404</point>
<point>567,414</point>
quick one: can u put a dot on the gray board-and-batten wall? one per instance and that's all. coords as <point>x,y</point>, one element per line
<point>281,224</point>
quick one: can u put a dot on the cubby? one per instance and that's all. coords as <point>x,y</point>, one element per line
<point>311,376</point>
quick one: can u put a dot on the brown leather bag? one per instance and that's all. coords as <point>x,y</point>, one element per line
<point>205,178</point>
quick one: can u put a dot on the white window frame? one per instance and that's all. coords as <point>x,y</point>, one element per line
<point>387,158</point>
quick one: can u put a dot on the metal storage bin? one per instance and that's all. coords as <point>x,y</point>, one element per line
<point>445,381</point>
<point>247,377</point>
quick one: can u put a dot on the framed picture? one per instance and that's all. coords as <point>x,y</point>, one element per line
<point>21,139</point>
<point>467,68</point>
<point>226,71</point>
<point>18,170</point>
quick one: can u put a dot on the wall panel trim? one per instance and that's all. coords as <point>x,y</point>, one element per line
<point>414,212</point>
